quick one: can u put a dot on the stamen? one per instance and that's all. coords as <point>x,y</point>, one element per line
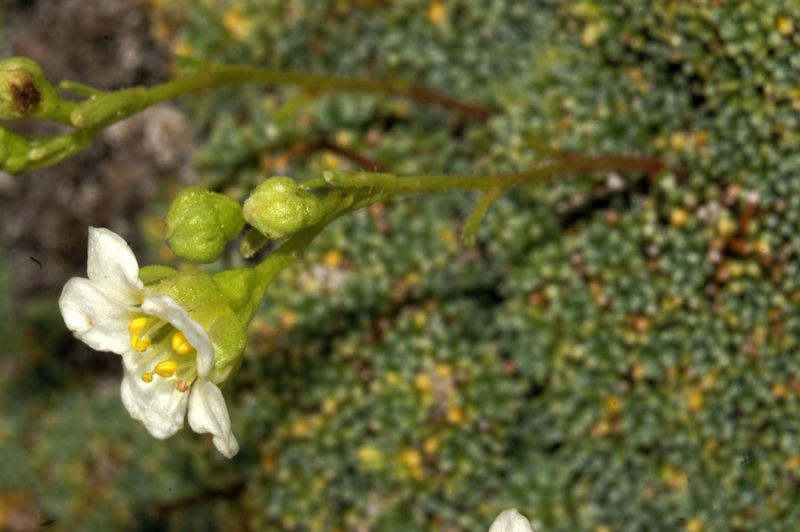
<point>181,386</point>
<point>137,325</point>
<point>180,344</point>
<point>147,377</point>
<point>166,368</point>
<point>140,343</point>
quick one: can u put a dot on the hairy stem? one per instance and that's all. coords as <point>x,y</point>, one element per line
<point>337,205</point>
<point>113,107</point>
<point>362,189</point>
<point>445,182</point>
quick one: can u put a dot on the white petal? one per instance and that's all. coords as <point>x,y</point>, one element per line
<point>511,521</point>
<point>208,413</point>
<point>157,404</point>
<point>113,266</point>
<point>166,308</point>
<point>95,318</point>
<point>130,361</point>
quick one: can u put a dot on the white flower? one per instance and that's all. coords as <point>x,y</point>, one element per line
<point>167,355</point>
<point>511,521</point>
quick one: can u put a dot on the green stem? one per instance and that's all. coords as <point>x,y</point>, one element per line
<point>289,252</point>
<point>388,186</point>
<point>102,109</point>
<point>337,205</point>
<point>360,183</point>
<point>401,186</point>
<point>478,214</point>
<point>19,153</point>
<point>445,182</point>
<point>113,107</point>
<point>252,243</point>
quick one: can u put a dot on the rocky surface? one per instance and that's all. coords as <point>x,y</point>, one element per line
<point>107,44</point>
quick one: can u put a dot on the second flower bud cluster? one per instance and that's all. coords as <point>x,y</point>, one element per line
<point>200,223</point>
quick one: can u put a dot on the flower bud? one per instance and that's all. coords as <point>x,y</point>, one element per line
<point>200,223</point>
<point>278,207</point>
<point>24,91</point>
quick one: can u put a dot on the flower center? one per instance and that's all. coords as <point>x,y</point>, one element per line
<point>156,339</point>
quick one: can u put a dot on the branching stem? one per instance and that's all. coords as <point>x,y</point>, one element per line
<point>357,190</point>
<point>108,108</point>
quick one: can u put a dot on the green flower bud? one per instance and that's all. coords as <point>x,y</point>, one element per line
<point>25,92</point>
<point>200,223</point>
<point>204,301</point>
<point>278,207</point>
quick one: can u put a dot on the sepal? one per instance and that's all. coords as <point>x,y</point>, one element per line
<point>201,297</point>
<point>243,289</point>
<point>155,272</point>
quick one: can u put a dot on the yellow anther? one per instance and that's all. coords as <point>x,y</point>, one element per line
<point>167,368</point>
<point>180,344</point>
<point>181,386</point>
<point>136,326</point>
<point>147,377</point>
<point>140,343</point>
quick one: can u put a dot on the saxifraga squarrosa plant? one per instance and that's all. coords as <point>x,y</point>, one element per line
<point>611,346</point>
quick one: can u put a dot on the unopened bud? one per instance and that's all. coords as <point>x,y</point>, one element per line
<point>278,207</point>
<point>200,223</point>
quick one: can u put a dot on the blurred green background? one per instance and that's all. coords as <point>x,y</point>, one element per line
<point>617,353</point>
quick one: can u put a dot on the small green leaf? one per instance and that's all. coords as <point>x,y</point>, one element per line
<point>477,215</point>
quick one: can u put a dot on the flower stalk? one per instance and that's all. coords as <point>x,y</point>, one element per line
<point>26,93</point>
<point>351,191</point>
<point>113,107</point>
